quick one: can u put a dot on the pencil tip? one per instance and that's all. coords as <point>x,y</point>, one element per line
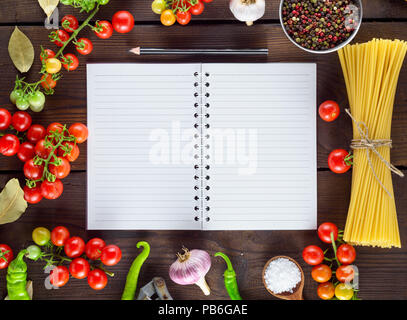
<point>135,51</point>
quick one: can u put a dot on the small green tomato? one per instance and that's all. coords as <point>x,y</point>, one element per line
<point>15,94</point>
<point>33,252</point>
<point>41,236</point>
<point>22,103</point>
<point>37,99</point>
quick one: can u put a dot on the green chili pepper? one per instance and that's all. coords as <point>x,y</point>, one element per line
<point>230,278</point>
<point>17,278</point>
<point>132,277</point>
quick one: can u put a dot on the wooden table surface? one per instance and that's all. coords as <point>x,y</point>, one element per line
<point>382,272</point>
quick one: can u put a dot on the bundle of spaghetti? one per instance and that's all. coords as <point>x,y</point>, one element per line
<point>371,71</point>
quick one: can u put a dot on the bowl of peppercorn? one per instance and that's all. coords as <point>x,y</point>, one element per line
<point>321,26</point>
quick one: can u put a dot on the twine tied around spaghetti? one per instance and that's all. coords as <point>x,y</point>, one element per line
<point>365,143</point>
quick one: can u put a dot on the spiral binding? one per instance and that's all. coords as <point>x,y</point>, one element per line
<point>197,147</point>
<point>205,147</point>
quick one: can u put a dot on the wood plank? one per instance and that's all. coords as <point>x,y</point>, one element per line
<point>249,250</point>
<point>28,11</point>
<point>68,105</point>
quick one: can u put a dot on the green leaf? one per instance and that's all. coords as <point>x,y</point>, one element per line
<point>21,50</point>
<point>12,203</point>
<point>48,6</point>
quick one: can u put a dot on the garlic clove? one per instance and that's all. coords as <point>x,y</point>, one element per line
<point>201,283</point>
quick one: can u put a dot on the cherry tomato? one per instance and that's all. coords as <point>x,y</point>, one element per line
<point>41,151</point>
<point>94,248</point>
<point>9,145</point>
<point>61,171</point>
<point>111,255</point>
<point>73,155</point>
<point>329,111</point>
<point>168,18</point>
<point>346,254</point>
<point>80,131</point>
<point>48,82</point>
<point>339,161</point>
<point>26,151</point>
<point>71,62</point>
<point>62,37</point>
<point>59,236</point>
<point>104,29</point>
<point>52,190</point>
<point>33,195</point>
<point>344,291</point>
<point>5,119</point>
<point>21,121</point>
<point>183,17</point>
<point>207,1</point>
<point>79,268</point>
<point>123,21</point>
<point>53,65</point>
<point>55,127</point>
<point>47,53</point>
<point>321,273</point>
<point>325,230</point>
<point>197,9</point>
<point>69,23</point>
<point>15,94</point>
<point>326,290</point>
<point>84,46</point>
<point>41,236</point>
<point>59,276</point>
<point>35,133</point>
<point>97,279</point>
<point>158,6</point>
<point>345,273</point>
<point>74,247</point>
<point>313,255</point>
<point>6,256</point>
<point>32,171</point>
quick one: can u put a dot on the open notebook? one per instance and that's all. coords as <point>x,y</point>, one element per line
<point>202,146</point>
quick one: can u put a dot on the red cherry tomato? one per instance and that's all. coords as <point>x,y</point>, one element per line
<point>70,62</point>
<point>326,290</point>
<point>69,23</point>
<point>329,111</point>
<point>80,131</point>
<point>32,171</point>
<point>35,133</point>
<point>346,254</point>
<point>5,119</point>
<point>111,255</point>
<point>94,248</point>
<point>48,83</point>
<point>9,145</point>
<point>6,256</point>
<point>104,29</point>
<point>339,161</point>
<point>21,121</point>
<point>62,37</point>
<point>47,54</point>
<point>183,17</point>
<point>84,46</point>
<point>79,268</point>
<point>321,273</point>
<point>313,255</point>
<point>73,155</point>
<point>74,247</point>
<point>52,190</point>
<point>59,236</point>
<point>41,151</point>
<point>54,127</point>
<point>325,230</point>
<point>123,21</point>
<point>26,151</point>
<point>33,195</point>
<point>345,273</point>
<point>197,9</point>
<point>59,276</point>
<point>97,279</point>
<point>61,171</point>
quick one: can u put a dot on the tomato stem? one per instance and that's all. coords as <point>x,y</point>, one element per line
<point>334,248</point>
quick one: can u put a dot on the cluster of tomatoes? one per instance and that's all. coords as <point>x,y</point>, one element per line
<point>328,288</point>
<point>78,254</point>
<point>178,10</point>
<point>339,160</point>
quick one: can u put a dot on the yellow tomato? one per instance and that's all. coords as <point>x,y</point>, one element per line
<point>168,18</point>
<point>343,291</point>
<point>53,65</point>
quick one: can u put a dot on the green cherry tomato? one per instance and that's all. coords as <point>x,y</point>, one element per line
<point>41,236</point>
<point>37,109</point>
<point>22,103</point>
<point>103,2</point>
<point>158,6</point>
<point>37,100</point>
<point>15,94</point>
<point>33,252</point>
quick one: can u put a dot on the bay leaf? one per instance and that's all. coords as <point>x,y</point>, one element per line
<point>12,203</point>
<point>48,6</point>
<point>21,50</point>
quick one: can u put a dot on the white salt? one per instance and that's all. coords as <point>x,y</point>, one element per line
<point>282,275</point>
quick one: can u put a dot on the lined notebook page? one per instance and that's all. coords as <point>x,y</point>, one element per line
<point>140,152</point>
<point>261,146</point>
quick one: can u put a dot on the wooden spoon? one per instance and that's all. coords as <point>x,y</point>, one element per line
<point>297,292</point>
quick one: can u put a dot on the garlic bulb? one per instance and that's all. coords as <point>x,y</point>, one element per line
<point>191,268</point>
<point>247,10</point>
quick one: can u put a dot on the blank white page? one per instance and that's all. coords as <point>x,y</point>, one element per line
<point>141,146</point>
<point>261,145</point>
